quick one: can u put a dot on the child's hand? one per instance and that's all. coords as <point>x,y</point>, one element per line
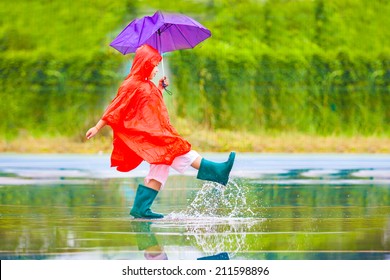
<point>163,83</point>
<point>91,132</point>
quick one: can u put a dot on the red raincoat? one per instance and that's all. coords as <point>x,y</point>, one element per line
<point>139,119</point>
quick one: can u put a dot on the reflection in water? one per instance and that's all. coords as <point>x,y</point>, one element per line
<point>337,211</point>
<point>211,235</point>
<point>216,221</point>
<point>147,241</point>
<point>218,218</point>
<point>221,235</point>
<point>219,256</point>
<point>220,208</point>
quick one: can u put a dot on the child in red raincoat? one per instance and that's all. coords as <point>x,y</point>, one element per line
<point>142,131</point>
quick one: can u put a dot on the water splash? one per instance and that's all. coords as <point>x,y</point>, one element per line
<point>218,218</point>
<point>229,237</point>
<point>216,200</point>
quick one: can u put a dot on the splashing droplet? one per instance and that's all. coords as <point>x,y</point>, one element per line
<point>216,200</point>
<point>218,218</point>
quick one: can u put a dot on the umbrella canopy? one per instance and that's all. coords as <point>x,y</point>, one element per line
<point>164,31</point>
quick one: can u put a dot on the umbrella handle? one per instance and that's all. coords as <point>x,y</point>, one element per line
<point>165,87</point>
<point>168,91</point>
<point>163,83</point>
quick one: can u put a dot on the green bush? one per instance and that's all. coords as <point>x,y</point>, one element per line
<point>48,96</point>
<point>318,67</point>
<point>314,94</point>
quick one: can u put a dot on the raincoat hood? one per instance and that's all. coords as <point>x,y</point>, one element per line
<point>145,59</point>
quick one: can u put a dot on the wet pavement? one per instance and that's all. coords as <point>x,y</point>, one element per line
<point>274,207</point>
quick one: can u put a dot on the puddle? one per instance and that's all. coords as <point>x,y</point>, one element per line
<point>274,207</point>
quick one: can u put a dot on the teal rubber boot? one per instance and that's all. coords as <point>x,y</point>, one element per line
<point>216,172</point>
<point>142,202</point>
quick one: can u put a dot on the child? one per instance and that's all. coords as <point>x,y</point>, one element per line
<point>142,131</point>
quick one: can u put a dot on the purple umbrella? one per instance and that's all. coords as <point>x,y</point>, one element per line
<point>164,31</point>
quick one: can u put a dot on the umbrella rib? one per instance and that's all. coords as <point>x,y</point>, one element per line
<point>184,37</point>
<point>167,25</point>
<point>142,29</point>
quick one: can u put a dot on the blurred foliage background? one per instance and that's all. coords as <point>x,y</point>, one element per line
<point>316,67</point>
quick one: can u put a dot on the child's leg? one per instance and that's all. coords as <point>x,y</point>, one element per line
<point>143,200</point>
<point>154,184</point>
<point>207,170</point>
<point>215,171</point>
<point>158,175</point>
<point>181,163</point>
<point>154,181</point>
<point>196,163</point>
